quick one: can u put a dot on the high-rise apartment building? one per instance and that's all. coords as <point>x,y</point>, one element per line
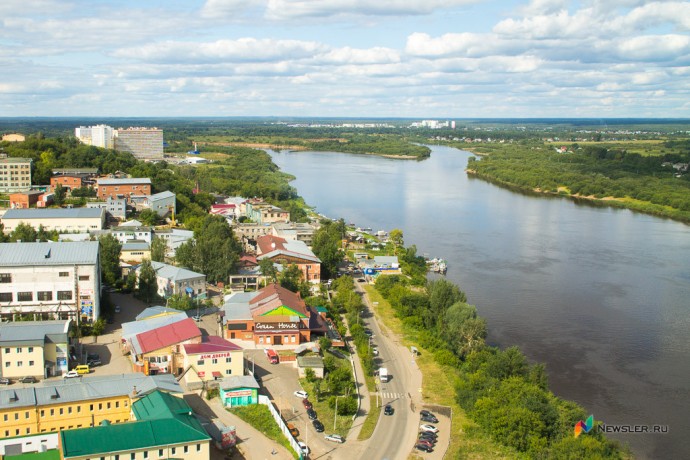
<point>143,143</point>
<point>15,175</point>
<point>98,136</point>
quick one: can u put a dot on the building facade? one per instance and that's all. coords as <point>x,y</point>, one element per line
<point>159,350</point>
<point>15,175</point>
<point>143,143</point>
<point>122,188</point>
<point>50,280</point>
<point>63,220</point>
<point>34,348</point>
<point>213,359</point>
<point>289,252</point>
<point>178,281</point>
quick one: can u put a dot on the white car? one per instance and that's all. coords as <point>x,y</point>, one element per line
<point>335,438</point>
<point>303,447</point>
<point>430,428</point>
<point>375,351</point>
<point>117,309</point>
<point>71,374</point>
<point>301,394</point>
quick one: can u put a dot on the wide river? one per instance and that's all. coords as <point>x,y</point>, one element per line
<point>601,295</point>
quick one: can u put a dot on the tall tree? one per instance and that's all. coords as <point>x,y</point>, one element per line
<point>158,248</point>
<point>24,233</point>
<point>292,278</point>
<point>59,194</point>
<point>110,249</point>
<point>326,246</point>
<point>268,269</point>
<point>147,281</point>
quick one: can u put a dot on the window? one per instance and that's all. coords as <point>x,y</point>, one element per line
<point>198,447</point>
<point>63,274</point>
<point>5,277</point>
<point>100,406</point>
<point>91,407</point>
<point>228,371</point>
<point>172,450</point>
<point>69,410</point>
<point>132,456</point>
<point>186,449</point>
<point>5,417</point>
<point>19,349</point>
<point>215,360</point>
<point>7,350</point>
<point>61,411</point>
<point>200,362</point>
<point>83,277</point>
<point>108,405</point>
<point>44,295</point>
<point>52,411</point>
<point>146,454</point>
<point>64,295</point>
<point>117,457</point>
<point>26,414</point>
<point>160,452</point>
<point>25,296</point>
<point>20,363</point>
<point>43,413</point>
<point>228,360</point>
<point>5,297</point>
<point>117,403</point>
<point>31,349</point>
<point>31,363</point>
<point>16,415</point>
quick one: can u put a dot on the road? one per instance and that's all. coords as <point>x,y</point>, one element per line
<point>394,435</point>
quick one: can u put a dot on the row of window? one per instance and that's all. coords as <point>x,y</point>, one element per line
<point>19,363</point>
<point>213,361</point>
<point>145,454</point>
<point>7,277</point>
<point>40,296</point>
<point>286,339</point>
<point>69,409</point>
<point>19,350</point>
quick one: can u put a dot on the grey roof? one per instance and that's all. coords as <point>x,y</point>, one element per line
<point>236,306</point>
<point>310,361</point>
<point>238,381</point>
<point>88,388</point>
<point>386,260</point>
<point>34,332</point>
<point>174,273</point>
<point>61,253</point>
<point>131,329</point>
<point>135,245</point>
<point>74,237</point>
<point>54,213</point>
<point>129,180</point>
<point>155,310</point>
<point>131,223</point>
<point>162,195</point>
<point>75,171</point>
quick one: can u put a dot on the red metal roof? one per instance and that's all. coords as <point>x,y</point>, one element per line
<point>272,297</point>
<point>268,243</point>
<point>212,344</point>
<point>166,336</point>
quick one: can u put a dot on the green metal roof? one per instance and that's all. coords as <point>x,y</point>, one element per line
<point>161,419</point>
<point>125,437</point>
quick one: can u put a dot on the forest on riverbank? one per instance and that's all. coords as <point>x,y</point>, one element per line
<point>656,183</point>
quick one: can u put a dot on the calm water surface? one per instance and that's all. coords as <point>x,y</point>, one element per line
<point>601,295</point>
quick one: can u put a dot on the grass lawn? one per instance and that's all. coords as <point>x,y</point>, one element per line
<point>467,441</point>
<point>258,416</point>
<point>370,422</point>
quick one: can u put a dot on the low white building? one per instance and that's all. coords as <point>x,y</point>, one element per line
<point>50,280</point>
<point>115,207</point>
<point>125,233</point>
<point>177,280</point>
<point>64,220</point>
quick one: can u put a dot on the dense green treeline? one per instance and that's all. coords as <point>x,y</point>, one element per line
<point>638,182</point>
<point>505,395</point>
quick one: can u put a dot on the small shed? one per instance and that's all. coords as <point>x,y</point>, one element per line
<point>314,362</point>
<point>240,390</point>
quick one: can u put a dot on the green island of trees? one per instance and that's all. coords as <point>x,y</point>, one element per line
<point>601,173</point>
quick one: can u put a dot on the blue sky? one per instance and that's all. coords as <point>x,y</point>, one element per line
<point>355,58</point>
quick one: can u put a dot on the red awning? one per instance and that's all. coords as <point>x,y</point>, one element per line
<point>217,375</point>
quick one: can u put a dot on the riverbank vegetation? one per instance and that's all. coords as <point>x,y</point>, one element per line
<point>655,181</point>
<point>500,395</point>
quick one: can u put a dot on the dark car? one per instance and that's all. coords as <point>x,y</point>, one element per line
<point>318,426</point>
<point>27,380</point>
<point>307,404</point>
<point>424,448</point>
<point>388,410</point>
<point>94,362</point>
<point>425,442</point>
<point>311,413</point>
<point>429,418</point>
<point>93,357</point>
<point>427,438</point>
<point>425,413</point>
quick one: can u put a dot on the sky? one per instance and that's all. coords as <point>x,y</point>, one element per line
<point>345,58</point>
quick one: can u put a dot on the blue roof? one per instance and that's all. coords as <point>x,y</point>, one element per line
<point>61,253</point>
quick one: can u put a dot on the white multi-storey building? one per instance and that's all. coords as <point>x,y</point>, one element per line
<point>50,280</point>
<point>15,174</point>
<point>67,220</point>
<point>102,136</point>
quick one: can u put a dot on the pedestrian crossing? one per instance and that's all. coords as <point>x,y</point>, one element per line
<point>389,395</point>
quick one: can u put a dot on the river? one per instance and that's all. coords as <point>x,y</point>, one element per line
<point>601,295</point>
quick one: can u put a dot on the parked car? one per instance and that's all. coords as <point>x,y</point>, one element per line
<point>424,436</point>
<point>361,280</point>
<point>117,309</point>
<point>429,418</point>
<point>375,351</point>
<point>311,413</point>
<point>93,357</point>
<point>388,410</point>
<point>28,380</point>
<point>423,448</point>
<point>5,381</point>
<point>335,438</point>
<point>301,394</point>
<point>303,447</point>
<point>428,434</point>
<point>318,426</point>
<point>431,428</point>
<point>293,431</point>
<point>71,374</point>
<point>196,318</point>
<point>82,369</point>
<point>307,404</point>
<point>94,363</point>
<point>425,413</point>
<point>422,442</point>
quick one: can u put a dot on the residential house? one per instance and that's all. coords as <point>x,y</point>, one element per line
<point>24,200</point>
<point>213,359</point>
<point>134,252</point>
<point>125,233</point>
<point>122,187</point>
<point>288,252</point>
<point>178,281</point>
<point>159,351</point>
<point>265,213</point>
<point>50,280</point>
<point>116,207</point>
